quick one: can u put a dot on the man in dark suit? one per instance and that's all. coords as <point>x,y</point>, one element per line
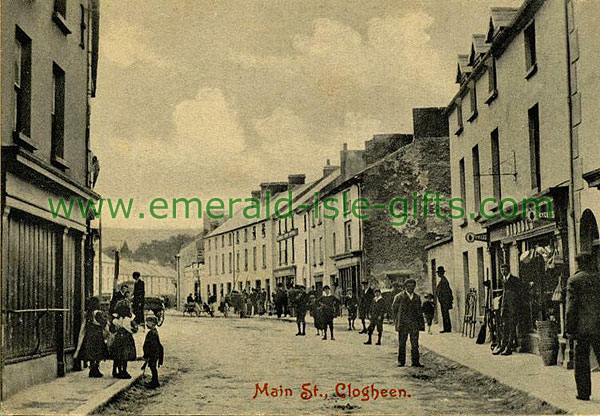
<point>408,318</point>
<point>445,298</point>
<point>365,299</point>
<point>510,306</point>
<point>583,320</point>
<point>139,294</point>
<point>378,309</point>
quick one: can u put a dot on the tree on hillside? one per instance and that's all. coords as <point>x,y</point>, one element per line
<point>163,251</point>
<point>125,251</point>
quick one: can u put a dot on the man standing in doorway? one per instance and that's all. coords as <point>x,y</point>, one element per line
<point>509,310</point>
<point>408,318</point>
<point>445,298</point>
<point>364,304</point>
<point>583,320</point>
<point>139,293</point>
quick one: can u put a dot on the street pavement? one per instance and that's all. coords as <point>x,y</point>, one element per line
<point>213,365</point>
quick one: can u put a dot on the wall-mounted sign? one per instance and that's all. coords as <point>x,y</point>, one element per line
<point>472,237</point>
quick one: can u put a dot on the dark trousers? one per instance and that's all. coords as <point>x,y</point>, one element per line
<point>509,330</point>
<point>138,311</point>
<point>152,364</point>
<point>279,309</point>
<point>582,363</point>
<point>414,347</point>
<point>375,323</point>
<point>446,320</point>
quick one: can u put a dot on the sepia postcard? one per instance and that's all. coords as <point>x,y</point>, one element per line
<point>281,207</point>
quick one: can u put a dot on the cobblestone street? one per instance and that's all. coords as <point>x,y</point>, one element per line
<point>213,365</point>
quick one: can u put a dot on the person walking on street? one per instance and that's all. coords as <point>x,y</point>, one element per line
<point>139,294</point>
<point>300,304</point>
<point>123,346</point>
<point>445,298</point>
<point>408,318</point>
<point>428,311</point>
<point>583,320</point>
<point>364,305</point>
<point>378,310</point>
<point>92,346</point>
<point>510,306</point>
<point>352,305</point>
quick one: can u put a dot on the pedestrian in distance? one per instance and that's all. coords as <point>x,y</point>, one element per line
<point>351,305</point>
<point>92,345</point>
<point>378,309</point>
<point>300,304</point>
<point>190,299</point>
<point>428,311</point>
<point>315,312</point>
<point>139,293</point>
<point>510,307</point>
<point>117,296</point>
<point>364,305</point>
<point>445,298</point>
<point>408,318</point>
<point>328,304</point>
<point>153,351</point>
<point>583,320</point>
<point>123,346</point>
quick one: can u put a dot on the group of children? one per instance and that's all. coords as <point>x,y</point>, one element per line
<point>104,337</point>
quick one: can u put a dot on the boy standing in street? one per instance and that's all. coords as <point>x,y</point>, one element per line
<point>153,351</point>
<point>377,314</point>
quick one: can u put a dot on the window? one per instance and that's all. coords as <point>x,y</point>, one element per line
<point>264,231</point>
<point>230,262</point>
<point>305,251</point>
<point>459,117</point>
<point>279,225</point>
<point>209,267</point>
<point>293,251</point>
<point>476,179</point>
<point>463,185</point>
<point>348,236</point>
<point>320,250</point>
<point>280,253</point>
<point>60,16</point>
<point>333,244</point>
<point>245,259</point>
<point>245,235</point>
<point>22,86</point>
<point>217,264</point>
<point>496,184</point>
<point>223,263</point>
<point>60,7</point>
<point>254,258</point>
<point>312,219</point>
<point>237,237</point>
<point>209,244</point>
<point>492,80</point>
<point>466,279</point>
<point>314,252</point>
<point>534,147</point>
<point>222,241</point>
<point>264,256</point>
<point>473,100</point>
<point>58,116</point>
<point>230,239</point>
<point>305,221</point>
<point>347,201</point>
<point>237,261</point>
<point>82,27</point>
<point>285,252</point>
<point>530,52</point>
<point>254,232</point>
<point>286,224</point>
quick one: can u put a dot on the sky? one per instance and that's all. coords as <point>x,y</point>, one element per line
<point>209,98</point>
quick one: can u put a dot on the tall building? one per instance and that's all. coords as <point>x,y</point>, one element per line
<point>49,66</point>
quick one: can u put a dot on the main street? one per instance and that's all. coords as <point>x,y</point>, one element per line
<point>213,365</point>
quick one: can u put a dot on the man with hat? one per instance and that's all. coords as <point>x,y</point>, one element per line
<point>445,298</point>
<point>364,304</point>
<point>299,299</point>
<point>378,310</point>
<point>510,306</point>
<point>408,318</point>
<point>583,320</point>
<point>153,351</point>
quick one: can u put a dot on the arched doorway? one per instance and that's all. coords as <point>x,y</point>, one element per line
<point>588,235</point>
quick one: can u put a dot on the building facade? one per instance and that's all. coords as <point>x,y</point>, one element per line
<point>519,160</point>
<point>49,62</point>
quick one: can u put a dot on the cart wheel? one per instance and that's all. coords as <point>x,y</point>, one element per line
<point>161,317</point>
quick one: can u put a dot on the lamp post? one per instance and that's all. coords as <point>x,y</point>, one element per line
<point>178,288</point>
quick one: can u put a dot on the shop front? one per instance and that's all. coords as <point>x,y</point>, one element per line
<point>285,276</point>
<point>535,248</point>
<point>348,266</point>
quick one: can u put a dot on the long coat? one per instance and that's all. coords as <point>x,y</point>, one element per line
<point>408,316</point>
<point>583,304</point>
<point>444,294</point>
<point>139,292</point>
<point>512,295</point>
<point>153,349</point>
<point>364,302</point>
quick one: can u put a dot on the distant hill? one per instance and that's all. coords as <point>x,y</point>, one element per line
<point>135,236</point>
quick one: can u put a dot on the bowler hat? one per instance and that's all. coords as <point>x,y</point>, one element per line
<point>441,269</point>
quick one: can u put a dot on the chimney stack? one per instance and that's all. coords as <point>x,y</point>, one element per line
<point>296,179</point>
<point>328,169</point>
<point>255,194</point>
